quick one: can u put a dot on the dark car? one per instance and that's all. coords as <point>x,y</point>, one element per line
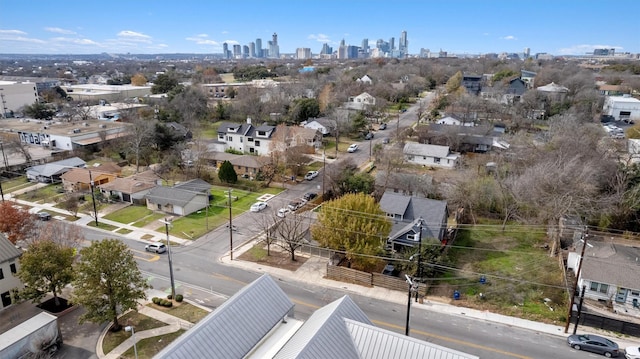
<point>383,126</point>
<point>368,136</point>
<point>309,196</point>
<point>594,344</point>
<point>44,216</point>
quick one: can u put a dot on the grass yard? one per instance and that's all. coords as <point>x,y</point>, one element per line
<point>101,225</point>
<point>47,194</point>
<point>518,270</point>
<point>138,321</point>
<point>184,310</point>
<point>149,347</point>
<point>129,214</point>
<point>15,184</point>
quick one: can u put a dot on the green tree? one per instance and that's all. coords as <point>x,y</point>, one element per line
<point>454,84</point>
<point>108,282</point>
<point>226,173</point>
<point>39,111</point>
<point>46,267</point>
<point>304,108</point>
<point>503,74</point>
<point>164,83</point>
<point>355,224</point>
<point>359,123</point>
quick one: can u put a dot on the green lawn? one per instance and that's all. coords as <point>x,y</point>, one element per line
<point>151,218</point>
<point>15,184</point>
<point>129,214</point>
<point>139,322</point>
<point>101,225</point>
<point>518,270</point>
<point>46,194</point>
<point>149,347</point>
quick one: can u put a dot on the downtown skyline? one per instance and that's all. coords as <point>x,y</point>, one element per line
<point>190,26</point>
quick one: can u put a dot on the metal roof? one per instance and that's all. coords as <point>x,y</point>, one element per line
<point>54,168</point>
<point>232,330</point>
<point>8,251</point>
<point>325,334</point>
<point>419,149</point>
<point>169,195</point>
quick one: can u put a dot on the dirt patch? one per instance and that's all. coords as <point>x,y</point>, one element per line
<point>51,307</point>
<point>276,258</point>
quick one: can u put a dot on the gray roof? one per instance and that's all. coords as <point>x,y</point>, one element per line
<point>8,251</point>
<point>243,127</point>
<point>232,330</point>
<point>194,185</point>
<point>431,211</point>
<point>420,149</point>
<point>169,195</point>
<point>394,203</point>
<point>325,334</point>
<point>55,168</point>
<point>612,264</point>
<point>375,343</point>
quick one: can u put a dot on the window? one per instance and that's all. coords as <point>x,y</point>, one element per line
<point>229,138</point>
<point>1,274</point>
<point>159,207</point>
<point>599,287</point>
<point>250,139</point>
<point>390,215</point>
<point>262,134</point>
<point>411,237</point>
<point>625,113</point>
<point>13,268</point>
<point>436,160</point>
<point>635,294</point>
<point>220,136</point>
<point>257,143</point>
<point>240,139</point>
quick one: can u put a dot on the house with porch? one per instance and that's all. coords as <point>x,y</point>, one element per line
<point>51,172</point>
<point>430,155</point>
<point>414,219</point>
<point>609,273</point>
<point>128,189</point>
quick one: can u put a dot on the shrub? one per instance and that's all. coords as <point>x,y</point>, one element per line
<point>155,300</point>
<point>179,298</point>
<point>169,296</point>
<point>168,303</point>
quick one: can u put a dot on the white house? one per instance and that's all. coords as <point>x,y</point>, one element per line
<point>324,125</point>
<point>245,137</point>
<point>9,266</point>
<point>622,108</point>
<point>453,121</point>
<point>430,155</point>
<point>361,101</point>
<point>365,80</point>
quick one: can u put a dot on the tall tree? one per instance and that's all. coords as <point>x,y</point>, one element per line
<point>164,83</point>
<point>226,173</point>
<point>354,224</point>
<point>15,222</point>
<point>138,80</point>
<point>108,282</point>
<point>39,111</point>
<point>46,267</point>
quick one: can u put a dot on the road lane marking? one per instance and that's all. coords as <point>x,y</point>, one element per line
<point>227,278</point>
<point>154,257</point>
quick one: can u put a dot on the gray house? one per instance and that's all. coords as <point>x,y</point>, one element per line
<point>51,172</point>
<point>175,200</point>
<point>414,218</point>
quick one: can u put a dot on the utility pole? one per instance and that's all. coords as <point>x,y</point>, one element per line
<point>173,285</point>
<point>93,198</point>
<point>420,220</point>
<point>230,228</point>
<point>575,328</point>
<point>410,282</point>
<point>575,287</point>
<point>324,169</point>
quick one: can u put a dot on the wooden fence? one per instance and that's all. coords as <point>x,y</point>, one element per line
<point>350,275</point>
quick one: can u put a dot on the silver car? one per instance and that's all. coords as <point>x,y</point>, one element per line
<point>594,344</point>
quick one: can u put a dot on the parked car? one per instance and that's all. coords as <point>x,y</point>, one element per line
<point>293,205</point>
<point>632,352</point>
<point>282,212</point>
<point>155,247</point>
<point>385,140</point>
<point>44,216</point>
<point>352,148</point>
<point>594,344</point>
<point>258,206</point>
<point>368,136</point>
<point>311,175</point>
<point>309,196</point>
<point>383,126</point>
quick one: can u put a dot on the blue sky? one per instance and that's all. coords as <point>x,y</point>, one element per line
<point>560,27</point>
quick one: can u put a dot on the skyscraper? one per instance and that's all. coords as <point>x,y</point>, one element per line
<point>252,49</point>
<point>392,44</point>
<point>326,49</point>
<point>237,51</point>
<point>258,47</point>
<point>225,50</point>
<point>403,46</point>
<point>365,46</point>
<point>274,49</point>
<point>303,53</point>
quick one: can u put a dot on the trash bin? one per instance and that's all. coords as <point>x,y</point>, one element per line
<point>456,295</point>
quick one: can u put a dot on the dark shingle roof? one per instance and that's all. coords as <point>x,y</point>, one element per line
<point>7,250</point>
<point>194,185</point>
<point>169,195</point>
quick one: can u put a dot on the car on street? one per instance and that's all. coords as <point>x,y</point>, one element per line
<point>632,352</point>
<point>383,126</point>
<point>309,196</point>
<point>594,344</point>
<point>368,136</point>
<point>385,140</point>
<point>44,216</point>
<point>258,206</point>
<point>352,148</point>
<point>311,175</point>
<point>155,247</point>
<point>294,205</point>
<point>282,212</point>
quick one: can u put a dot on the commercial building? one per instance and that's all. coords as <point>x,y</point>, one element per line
<point>622,108</point>
<point>15,95</point>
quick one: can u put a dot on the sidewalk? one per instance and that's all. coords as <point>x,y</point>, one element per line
<point>313,271</point>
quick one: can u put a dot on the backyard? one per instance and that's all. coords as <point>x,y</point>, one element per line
<point>506,271</point>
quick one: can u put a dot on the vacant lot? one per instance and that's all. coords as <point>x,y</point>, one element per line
<point>520,278</point>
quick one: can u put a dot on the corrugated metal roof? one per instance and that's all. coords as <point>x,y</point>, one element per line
<point>232,330</point>
<point>325,335</point>
<point>169,195</point>
<point>375,343</point>
<point>419,149</point>
<point>7,250</point>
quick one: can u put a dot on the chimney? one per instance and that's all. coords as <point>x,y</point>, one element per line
<point>249,120</point>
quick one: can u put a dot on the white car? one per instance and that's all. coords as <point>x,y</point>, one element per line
<point>258,206</point>
<point>632,352</point>
<point>311,175</point>
<point>282,212</point>
<point>352,148</point>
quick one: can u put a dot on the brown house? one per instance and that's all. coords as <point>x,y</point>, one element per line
<point>79,179</point>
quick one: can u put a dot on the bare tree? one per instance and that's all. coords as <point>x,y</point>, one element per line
<point>292,232</point>
<point>13,145</point>
<point>140,133</point>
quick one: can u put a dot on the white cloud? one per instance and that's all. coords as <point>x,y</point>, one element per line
<point>232,42</point>
<point>319,38</point>
<point>134,36</point>
<point>202,40</point>
<point>202,35</point>
<point>224,32</point>
<point>76,41</point>
<point>509,37</point>
<point>60,31</point>
<point>12,32</point>
<point>585,48</point>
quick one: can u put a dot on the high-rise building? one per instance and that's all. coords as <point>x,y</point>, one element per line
<point>392,44</point>
<point>259,48</point>
<point>274,49</point>
<point>237,51</point>
<point>352,52</point>
<point>245,51</point>
<point>252,49</point>
<point>326,49</point>
<point>365,46</point>
<point>527,52</point>
<point>403,46</point>
<point>383,46</point>
<point>303,53</point>
<point>225,50</point>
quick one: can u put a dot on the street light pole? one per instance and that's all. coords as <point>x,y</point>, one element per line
<point>324,169</point>
<point>230,228</point>
<point>410,282</point>
<point>173,285</point>
<point>93,198</point>
<point>129,328</point>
